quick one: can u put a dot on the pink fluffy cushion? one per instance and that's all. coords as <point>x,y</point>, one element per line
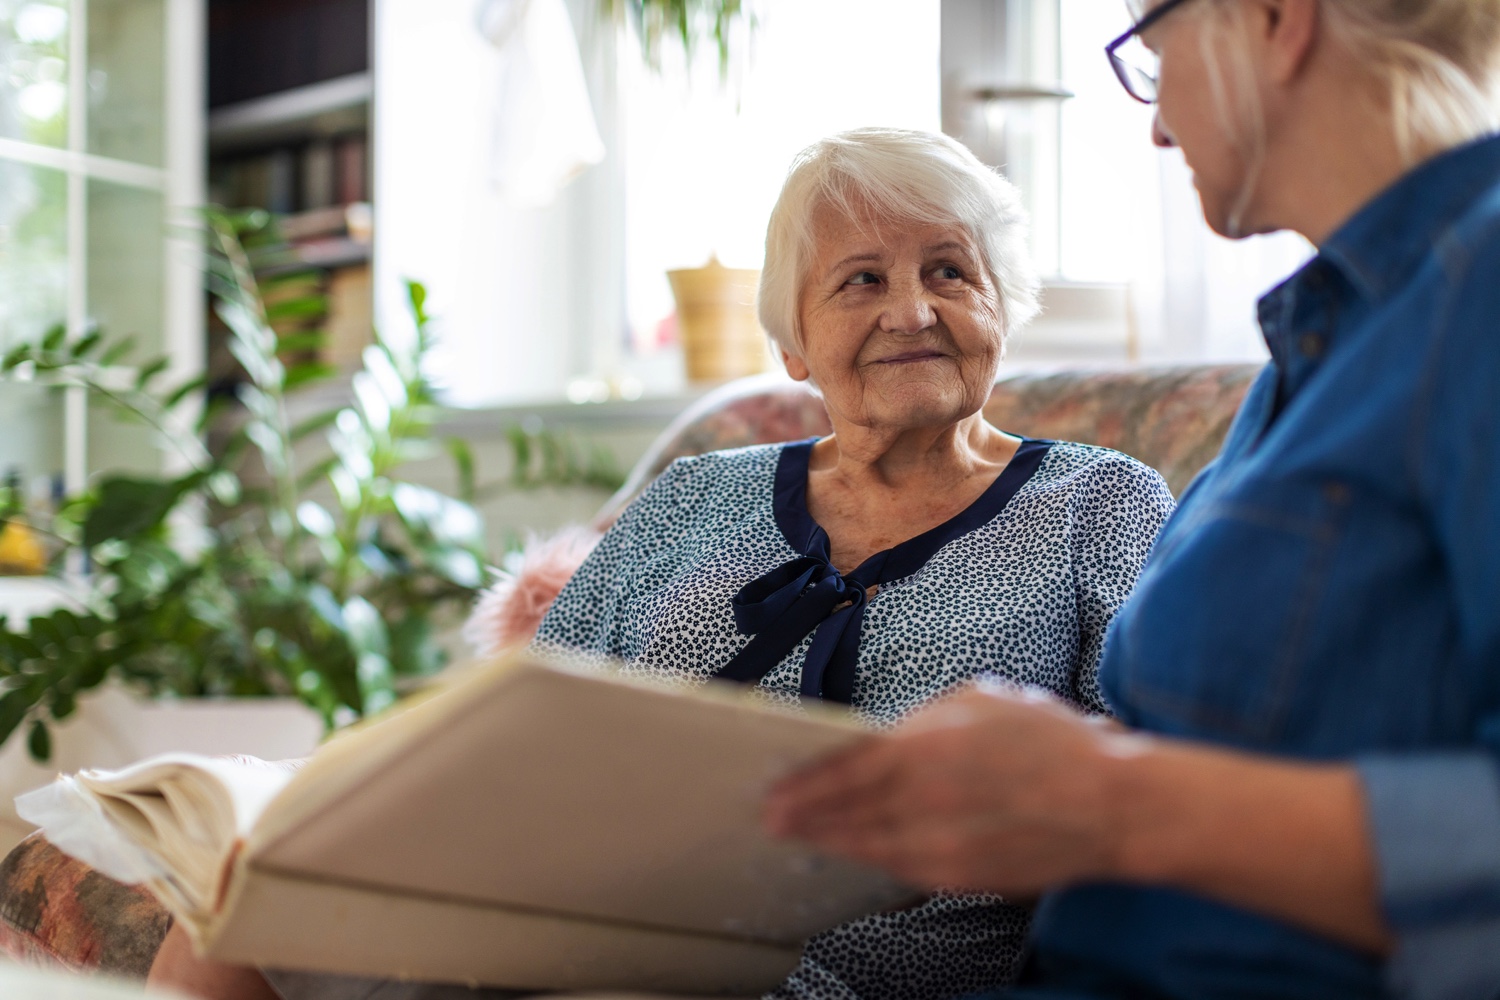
<point>508,613</point>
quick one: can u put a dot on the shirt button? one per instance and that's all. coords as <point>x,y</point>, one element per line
<point>1311,345</point>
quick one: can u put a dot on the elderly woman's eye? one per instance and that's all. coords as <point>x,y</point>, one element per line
<point>863,278</point>
<point>950,272</point>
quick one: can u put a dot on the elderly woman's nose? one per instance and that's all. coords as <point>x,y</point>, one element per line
<point>909,308</point>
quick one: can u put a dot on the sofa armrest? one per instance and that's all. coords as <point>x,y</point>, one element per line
<point>57,911</point>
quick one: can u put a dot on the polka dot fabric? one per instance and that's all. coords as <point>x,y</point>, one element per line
<point>1026,596</point>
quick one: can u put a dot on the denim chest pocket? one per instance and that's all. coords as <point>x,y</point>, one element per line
<point>1225,622</point>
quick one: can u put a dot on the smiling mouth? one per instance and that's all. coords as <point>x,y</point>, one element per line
<point>911,357</point>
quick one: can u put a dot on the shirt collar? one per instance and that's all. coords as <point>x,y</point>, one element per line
<point>1386,240</point>
<point>1373,254</point>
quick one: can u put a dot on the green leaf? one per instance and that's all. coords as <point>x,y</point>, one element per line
<point>459,566</point>
<point>376,561</point>
<point>129,507</point>
<point>520,445</point>
<point>463,463</point>
<point>316,474</point>
<point>117,351</point>
<point>298,307</point>
<point>83,345</point>
<point>315,519</point>
<point>146,374</point>
<point>325,605</point>
<point>39,743</point>
<point>13,708</point>
<point>381,366</point>
<point>300,375</point>
<point>63,704</point>
<point>301,342</point>
<point>364,628</point>
<point>54,337</point>
<point>416,294</point>
<point>16,357</point>
<point>413,650</point>
<point>373,405</point>
<point>183,391</point>
<point>21,645</point>
<point>313,424</point>
<point>260,364</point>
<point>446,520</point>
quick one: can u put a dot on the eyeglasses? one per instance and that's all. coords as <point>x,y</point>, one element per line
<point>1133,63</point>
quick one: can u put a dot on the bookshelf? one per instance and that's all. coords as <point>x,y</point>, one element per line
<point>291,89</point>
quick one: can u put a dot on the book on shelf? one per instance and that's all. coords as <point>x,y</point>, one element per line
<point>525,824</point>
<point>315,174</point>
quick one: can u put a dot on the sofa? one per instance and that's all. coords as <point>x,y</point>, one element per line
<point>55,911</point>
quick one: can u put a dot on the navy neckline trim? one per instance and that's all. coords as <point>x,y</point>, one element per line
<point>808,538</point>
<point>807,595</point>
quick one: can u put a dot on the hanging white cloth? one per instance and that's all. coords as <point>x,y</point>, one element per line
<point>544,128</point>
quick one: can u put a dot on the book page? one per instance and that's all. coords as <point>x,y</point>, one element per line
<point>171,821</point>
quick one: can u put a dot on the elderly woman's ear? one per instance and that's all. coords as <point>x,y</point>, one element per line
<point>795,366</point>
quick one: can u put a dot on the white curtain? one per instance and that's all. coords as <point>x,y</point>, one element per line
<point>1130,215</point>
<point>525,292</point>
<point>1206,288</point>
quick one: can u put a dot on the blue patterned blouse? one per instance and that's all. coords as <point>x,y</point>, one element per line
<point>718,563</point>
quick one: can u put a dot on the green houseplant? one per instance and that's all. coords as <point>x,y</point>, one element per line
<point>690,22</point>
<point>258,570</point>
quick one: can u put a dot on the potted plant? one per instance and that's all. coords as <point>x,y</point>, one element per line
<point>258,571</point>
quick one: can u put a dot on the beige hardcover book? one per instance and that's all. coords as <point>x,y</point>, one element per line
<point>524,825</point>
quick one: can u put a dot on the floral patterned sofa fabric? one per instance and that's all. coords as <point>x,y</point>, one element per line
<point>57,911</point>
<point>1172,418</point>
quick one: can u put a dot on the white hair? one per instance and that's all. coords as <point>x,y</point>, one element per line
<point>917,177</point>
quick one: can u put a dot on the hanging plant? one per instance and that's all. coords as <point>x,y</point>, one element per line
<point>690,23</point>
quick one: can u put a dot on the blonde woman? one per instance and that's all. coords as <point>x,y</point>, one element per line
<point>1307,803</point>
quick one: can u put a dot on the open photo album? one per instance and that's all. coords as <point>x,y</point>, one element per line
<point>524,824</point>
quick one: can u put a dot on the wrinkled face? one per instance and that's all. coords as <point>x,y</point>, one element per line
<point>1189,117</point>
<point>901,324</point>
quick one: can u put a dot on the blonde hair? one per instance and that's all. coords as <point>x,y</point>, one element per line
<point>1440,60</point>
<point>920,177</point>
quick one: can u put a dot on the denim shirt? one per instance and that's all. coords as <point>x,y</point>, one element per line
<point>1329,589</point>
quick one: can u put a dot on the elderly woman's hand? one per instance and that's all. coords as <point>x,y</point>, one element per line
<point>996,789</point>
<point>1012,792</point>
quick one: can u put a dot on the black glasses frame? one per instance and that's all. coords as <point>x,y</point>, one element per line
<point>1132,77</point>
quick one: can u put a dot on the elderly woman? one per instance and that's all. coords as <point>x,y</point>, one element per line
<point>915,548</point>
<point>1309,803</point>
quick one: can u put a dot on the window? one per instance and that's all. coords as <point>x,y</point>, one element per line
<point>534,298</point>
<point>703,175</point>
<point>100,119</point>
<point>1129,214</point>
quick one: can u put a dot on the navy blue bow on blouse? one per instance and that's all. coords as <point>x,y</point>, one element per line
<point>781,607</point>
